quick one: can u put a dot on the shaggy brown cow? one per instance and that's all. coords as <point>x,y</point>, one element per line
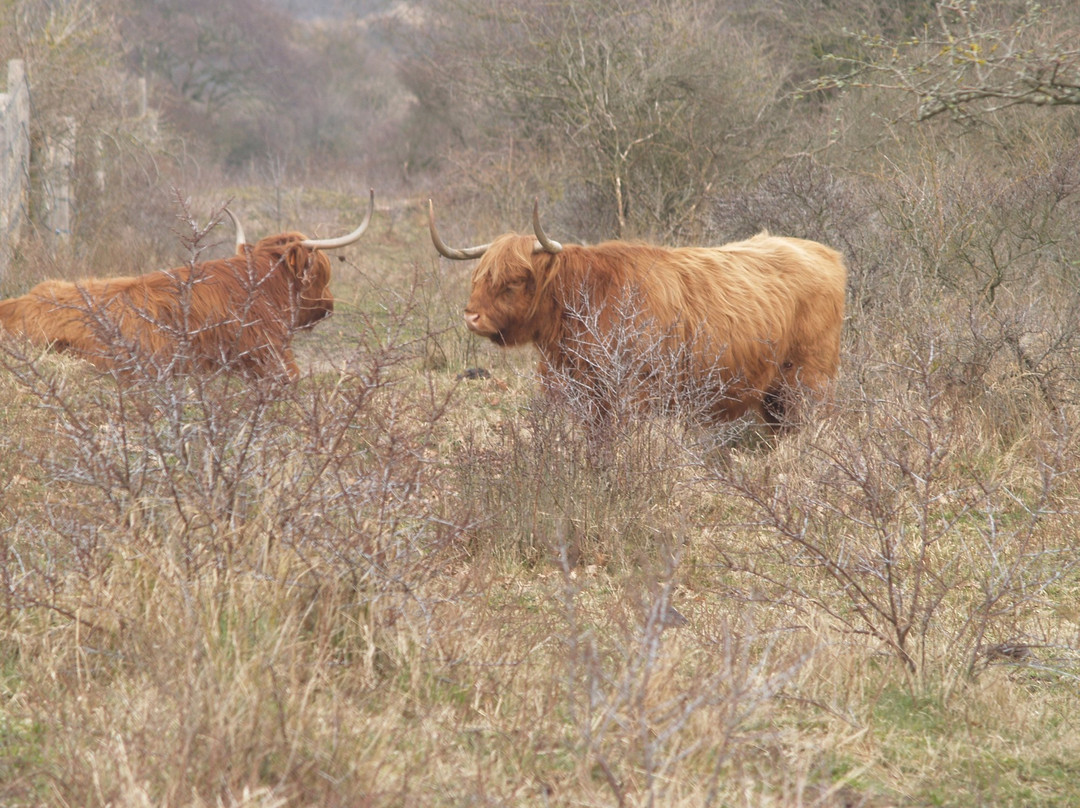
<point>238,312</point>
<point>745,327</point>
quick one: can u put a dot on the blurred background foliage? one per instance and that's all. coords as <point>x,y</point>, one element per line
<point>630,118</point>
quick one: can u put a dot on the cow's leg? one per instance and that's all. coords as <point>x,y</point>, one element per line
<point>780,402</point>
<point>269,363</point>
<point>292,371</point>
<point>797,389</point>
<point>776,407</point>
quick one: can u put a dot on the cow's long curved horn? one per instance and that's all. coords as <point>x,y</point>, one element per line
<point>450,252</point>
<point>241,239</point>
<point>342,241</point>
<point>543,242</point>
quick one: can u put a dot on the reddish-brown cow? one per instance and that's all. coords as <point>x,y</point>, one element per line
<point>745,327</point>
<point>237,313</point>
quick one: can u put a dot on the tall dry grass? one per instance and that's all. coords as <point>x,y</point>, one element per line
<point>388,585</point>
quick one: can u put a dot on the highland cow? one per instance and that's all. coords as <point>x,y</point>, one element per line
<point>236,313</point>
<point>748,327</point>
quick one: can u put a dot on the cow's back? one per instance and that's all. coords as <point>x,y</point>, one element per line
<point>760,314</point>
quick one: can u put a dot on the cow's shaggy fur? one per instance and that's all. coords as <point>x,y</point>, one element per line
<point>748,326</point>
<point>237,313</point>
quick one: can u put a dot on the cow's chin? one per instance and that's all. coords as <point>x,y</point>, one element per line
<point>308,317</point>
<point>500,331</point>
<point>492,333</point>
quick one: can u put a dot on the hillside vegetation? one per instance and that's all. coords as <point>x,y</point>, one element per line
<point>398,584</point>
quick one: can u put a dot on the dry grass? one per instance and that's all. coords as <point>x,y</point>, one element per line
<point>389,586</point>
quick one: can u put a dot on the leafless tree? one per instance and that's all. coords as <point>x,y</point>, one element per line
<point>647,105</point>
<point>974,58</point>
